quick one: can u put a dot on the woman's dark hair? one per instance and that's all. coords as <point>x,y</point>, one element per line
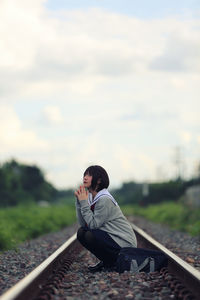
<point>100,179</point>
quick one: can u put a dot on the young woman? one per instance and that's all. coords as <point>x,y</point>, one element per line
<point>104,229</point>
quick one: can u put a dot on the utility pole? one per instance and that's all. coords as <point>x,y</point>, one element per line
<point>178,161</point>
<point>197,170</point>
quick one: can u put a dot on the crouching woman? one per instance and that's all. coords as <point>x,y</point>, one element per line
<point>104,229</point>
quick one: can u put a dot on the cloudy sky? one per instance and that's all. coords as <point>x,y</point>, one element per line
<point>108,82</point>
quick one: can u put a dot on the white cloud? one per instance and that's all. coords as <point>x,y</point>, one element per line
<point>181,52</point>
<point>20,25</point>
<point>53,114</point>
<point>81,49</point>
<point>186,137</point>
<point>14,137</point>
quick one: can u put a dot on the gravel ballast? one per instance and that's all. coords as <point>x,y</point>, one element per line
<point>15,264</point>
<point>79,283</point>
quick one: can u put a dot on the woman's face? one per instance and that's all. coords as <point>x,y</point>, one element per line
<point>87,180</point>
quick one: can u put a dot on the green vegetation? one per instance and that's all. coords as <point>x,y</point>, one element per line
<point>23,189</point>
<point>23,223</point>
<point>21,184</point>
<point>133,193</point>
<point>175,215</point>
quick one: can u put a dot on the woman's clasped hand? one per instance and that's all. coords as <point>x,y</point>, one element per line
<point>81,193</point>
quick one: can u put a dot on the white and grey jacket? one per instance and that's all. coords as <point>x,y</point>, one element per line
<point>108,217</point>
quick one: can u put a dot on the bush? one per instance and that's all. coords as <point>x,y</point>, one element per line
<point>26,222</point>
<point>175,215</point>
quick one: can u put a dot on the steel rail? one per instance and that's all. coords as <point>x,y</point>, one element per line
<point>28,285</point>
<point>23,287</point>
<point>187,274</point>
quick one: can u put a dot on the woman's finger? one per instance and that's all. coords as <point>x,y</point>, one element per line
<point>82,188</point>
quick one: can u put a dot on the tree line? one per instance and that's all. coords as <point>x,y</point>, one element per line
<point>20,183</point>
<point>172,190</point>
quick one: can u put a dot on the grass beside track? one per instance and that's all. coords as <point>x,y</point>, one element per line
<point>175,215</point>
<point>21,223</point>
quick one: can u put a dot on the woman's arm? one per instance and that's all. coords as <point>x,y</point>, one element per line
<point>79,216</point>
<point>101,212</point>
<point>94,219</point>
<point>80,194</point>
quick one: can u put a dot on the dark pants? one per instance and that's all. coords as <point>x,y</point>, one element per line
<point>100,244</point>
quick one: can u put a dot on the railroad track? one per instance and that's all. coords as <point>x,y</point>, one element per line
<point>43,282</point>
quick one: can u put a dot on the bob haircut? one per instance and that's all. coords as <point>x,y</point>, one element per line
<point>100,179</point>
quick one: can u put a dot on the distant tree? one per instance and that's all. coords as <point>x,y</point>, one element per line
<point>166,191</point>
<point>21,183</point>
<point>132,192</point>
<point>129,193</point>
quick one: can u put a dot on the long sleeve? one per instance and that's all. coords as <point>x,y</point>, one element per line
<point>79,215</point>
<point>99,217</point>
<point>108,217</point>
